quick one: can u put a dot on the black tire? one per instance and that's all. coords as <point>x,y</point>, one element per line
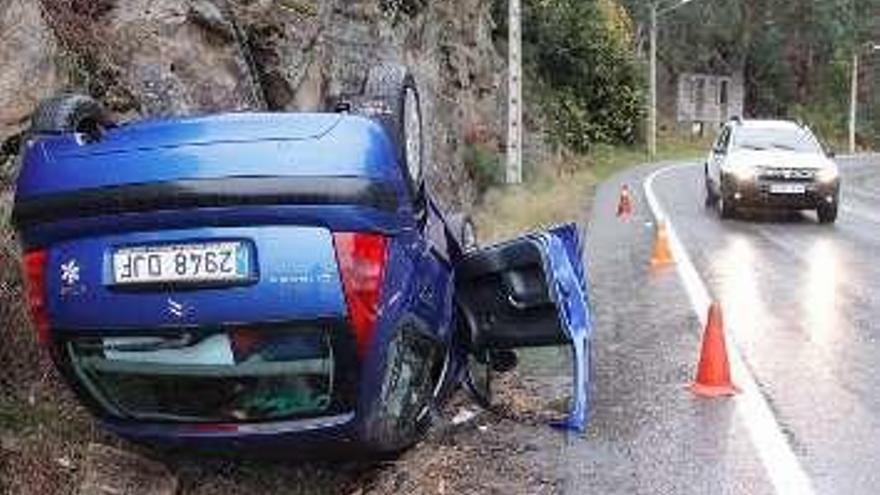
<point>711,198</point>
<point>478,378</point>
<point>726,210</point>
<point>404,408</point>
<point>69,113</point>
<point>391,98</point>
<point>827,213</point>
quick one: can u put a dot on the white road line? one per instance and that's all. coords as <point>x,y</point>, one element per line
<point>782,466</point>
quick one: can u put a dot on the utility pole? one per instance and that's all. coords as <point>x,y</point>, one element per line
<point>656,13</point>
<point>652,109</point>
<point>853,102</point>
<point>854,91</point>
<point>514,96</point>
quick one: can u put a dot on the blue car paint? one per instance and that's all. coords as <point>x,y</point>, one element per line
<point>350,147</point>
<point>337,218</point>
<point>282,288</point>
<point>563,258</point>
<point>418,284</point>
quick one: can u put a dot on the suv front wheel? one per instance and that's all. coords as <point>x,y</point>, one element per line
<point>827,213</point>
<point>711,197</point>
<point>726,209</point>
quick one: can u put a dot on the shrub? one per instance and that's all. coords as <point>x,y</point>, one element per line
<point>484,166</point>
<point>578,54</point>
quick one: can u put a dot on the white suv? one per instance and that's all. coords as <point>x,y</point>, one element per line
<point>771,164</point>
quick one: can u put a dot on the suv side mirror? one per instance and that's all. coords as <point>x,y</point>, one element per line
<point>831,153</point>
<point>719,150</point>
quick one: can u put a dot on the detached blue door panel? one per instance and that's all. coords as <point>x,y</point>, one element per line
<point>528,292</point>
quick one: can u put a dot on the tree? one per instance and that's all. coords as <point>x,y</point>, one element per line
<point>794,54</point>
<point>580,52</point>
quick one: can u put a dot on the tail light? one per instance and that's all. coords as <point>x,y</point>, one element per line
<point>35,289</point>
<point>361,259</point>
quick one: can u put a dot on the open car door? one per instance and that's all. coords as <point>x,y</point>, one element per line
<point>528,292</point>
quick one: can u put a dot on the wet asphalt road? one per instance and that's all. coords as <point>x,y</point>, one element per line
<point>800,300</point>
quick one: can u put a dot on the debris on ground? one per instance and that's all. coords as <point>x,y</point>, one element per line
<point>111,471</point>
<point>463,416</point>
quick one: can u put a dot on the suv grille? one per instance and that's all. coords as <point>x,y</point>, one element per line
<point>787,173</point>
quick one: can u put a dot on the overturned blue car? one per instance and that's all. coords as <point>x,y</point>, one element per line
<point>275,282</point>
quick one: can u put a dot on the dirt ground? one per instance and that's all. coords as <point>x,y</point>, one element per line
<point>46,447</point>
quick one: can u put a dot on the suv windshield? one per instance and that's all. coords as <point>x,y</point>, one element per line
<point>763,138</point>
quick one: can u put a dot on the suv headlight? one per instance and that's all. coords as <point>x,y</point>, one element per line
<point>827,174</point>
<point>744,172</point>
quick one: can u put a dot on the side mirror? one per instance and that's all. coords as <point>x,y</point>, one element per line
<point>719,150</point>
<point>831,153</point>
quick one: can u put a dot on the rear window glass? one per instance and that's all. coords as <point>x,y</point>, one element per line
<point>245,375</point>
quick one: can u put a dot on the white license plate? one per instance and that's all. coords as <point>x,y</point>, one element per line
<point>208,262</point>
<point>787,188</point>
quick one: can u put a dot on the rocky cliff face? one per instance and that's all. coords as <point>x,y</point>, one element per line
<point>305,52</point>
<point>164,57</point>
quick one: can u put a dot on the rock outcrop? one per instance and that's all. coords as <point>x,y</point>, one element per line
<point>176,57</point>
<point>30,72</point>
<point>308,51</point>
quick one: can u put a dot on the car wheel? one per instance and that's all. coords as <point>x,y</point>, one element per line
<point>711,199</point>
<point>70,113</point>
<point>391,98</point>
<point>725,209</point>
<point>415,366</point>
<point>827,213</point>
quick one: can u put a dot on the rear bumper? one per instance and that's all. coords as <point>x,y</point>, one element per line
<point>755,193</point>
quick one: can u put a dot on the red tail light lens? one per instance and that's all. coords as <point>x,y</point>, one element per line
<point>35,289</point>
<point>361,259</point>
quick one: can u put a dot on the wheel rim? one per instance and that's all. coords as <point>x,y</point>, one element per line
<point>413,134</point>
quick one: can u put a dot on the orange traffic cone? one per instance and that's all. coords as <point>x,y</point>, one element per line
<point>713,372</point>
<point>624,205</point>
<point>661,254</point>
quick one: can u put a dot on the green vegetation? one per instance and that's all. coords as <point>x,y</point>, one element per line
<point>560,192</point>
<point>578,56</point>
<point>484,165</point>
<point>794,56</point>
<point>583,54</point>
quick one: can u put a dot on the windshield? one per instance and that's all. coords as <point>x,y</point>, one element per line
<point>789,139</point>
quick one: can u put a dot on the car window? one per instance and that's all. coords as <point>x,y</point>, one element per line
<point>723,139</point>
<point>764,138</point>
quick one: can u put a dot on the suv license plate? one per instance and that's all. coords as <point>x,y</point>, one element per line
<point>196,263</point>
<point>787,188</point>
